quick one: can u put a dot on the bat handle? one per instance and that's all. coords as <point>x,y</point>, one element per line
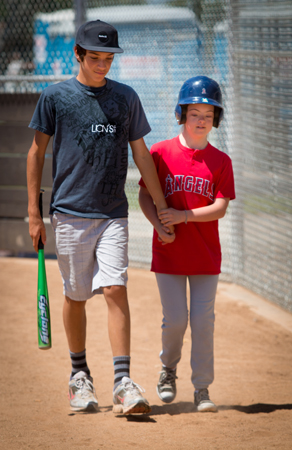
<point>40,244</point>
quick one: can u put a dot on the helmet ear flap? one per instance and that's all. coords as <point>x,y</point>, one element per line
<point>180,114</point>
<point>184,109</point>
<point>218,116</point>
<point>177,113</point>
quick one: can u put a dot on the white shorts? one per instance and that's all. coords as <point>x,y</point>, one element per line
<point>92,254</point>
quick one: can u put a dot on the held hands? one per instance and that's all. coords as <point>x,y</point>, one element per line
<point>166,235</point>
<point>169,217</point>
<point>37,229</point>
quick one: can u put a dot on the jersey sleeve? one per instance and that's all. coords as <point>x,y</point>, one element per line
<point>225,187</point>
<point>43,118</point>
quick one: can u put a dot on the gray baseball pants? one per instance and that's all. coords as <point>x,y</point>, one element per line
<point>173,294</point>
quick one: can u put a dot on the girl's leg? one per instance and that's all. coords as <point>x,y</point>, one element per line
<point>202,298</point>
<point>172,289</point>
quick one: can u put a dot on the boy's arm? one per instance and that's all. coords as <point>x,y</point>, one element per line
<point>35,164</point>
<point>149,210</point>
<point>146,166</point>
<point>208,213</point>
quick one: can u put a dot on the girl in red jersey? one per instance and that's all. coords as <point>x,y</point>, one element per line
<point>197,180</point>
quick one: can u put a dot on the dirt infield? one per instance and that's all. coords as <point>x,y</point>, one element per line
<point>253,366</point>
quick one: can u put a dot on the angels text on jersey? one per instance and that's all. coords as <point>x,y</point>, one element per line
<point>188,183</point>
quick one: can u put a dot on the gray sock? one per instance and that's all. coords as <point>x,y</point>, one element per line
<point>121,368</point>
<point>79,363</point>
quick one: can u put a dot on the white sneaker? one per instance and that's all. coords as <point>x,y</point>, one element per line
<point>203,402</point>
<point>127,398</point>
<point>82,393</point>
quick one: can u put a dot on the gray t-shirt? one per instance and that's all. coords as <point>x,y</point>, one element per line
<point>92,128</point>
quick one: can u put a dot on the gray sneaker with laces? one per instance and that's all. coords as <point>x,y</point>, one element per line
<point>127,398</point>
<point>203,402</point>
<point>166,387</point>
<point>82,393</point>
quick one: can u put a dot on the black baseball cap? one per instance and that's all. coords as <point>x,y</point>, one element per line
<point>98,36</point>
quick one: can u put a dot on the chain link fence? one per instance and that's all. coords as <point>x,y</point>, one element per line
<point>246,46</point>
<point>262,149</point>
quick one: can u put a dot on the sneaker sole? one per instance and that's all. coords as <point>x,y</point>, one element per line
<point>91,407</point>
<point>138,408</point>
<point>209,408</point>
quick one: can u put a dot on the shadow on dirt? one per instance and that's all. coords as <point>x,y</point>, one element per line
<point>139,418</point>
<point>257,408</point>
<point>188,407</point>
<point>92,411</point>
<point>173,409</point>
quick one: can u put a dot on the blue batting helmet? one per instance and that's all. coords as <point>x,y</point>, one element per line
<point>199,89</point>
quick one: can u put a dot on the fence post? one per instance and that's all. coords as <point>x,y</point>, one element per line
<point>79,7</point>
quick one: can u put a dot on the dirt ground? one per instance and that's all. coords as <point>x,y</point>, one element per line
<point>252,387</point>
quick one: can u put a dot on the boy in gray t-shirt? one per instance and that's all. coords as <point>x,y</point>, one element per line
<point>92,120</point>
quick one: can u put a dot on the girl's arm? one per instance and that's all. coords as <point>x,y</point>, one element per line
<point>208,213</point>
<point>149,210</point>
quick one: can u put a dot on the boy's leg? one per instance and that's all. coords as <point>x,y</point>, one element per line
<point>127,396</point>
<point>119,330</point>
<point>110,275</point>
<point>74,318</point>
<point>75,243</point>
<point>81,391</point>
<point>118,319</point>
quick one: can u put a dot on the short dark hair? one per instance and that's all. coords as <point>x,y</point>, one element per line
<point>183,117</point>
<point>81,52</point>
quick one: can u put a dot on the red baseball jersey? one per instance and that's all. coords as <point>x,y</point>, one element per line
<point>191,179</point>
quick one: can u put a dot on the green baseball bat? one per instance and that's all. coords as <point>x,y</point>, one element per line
<point>43,305</point>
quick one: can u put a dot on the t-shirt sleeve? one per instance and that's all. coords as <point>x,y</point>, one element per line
<point>43,118</point>
<point>139,125</point>
<point>225,187</point>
